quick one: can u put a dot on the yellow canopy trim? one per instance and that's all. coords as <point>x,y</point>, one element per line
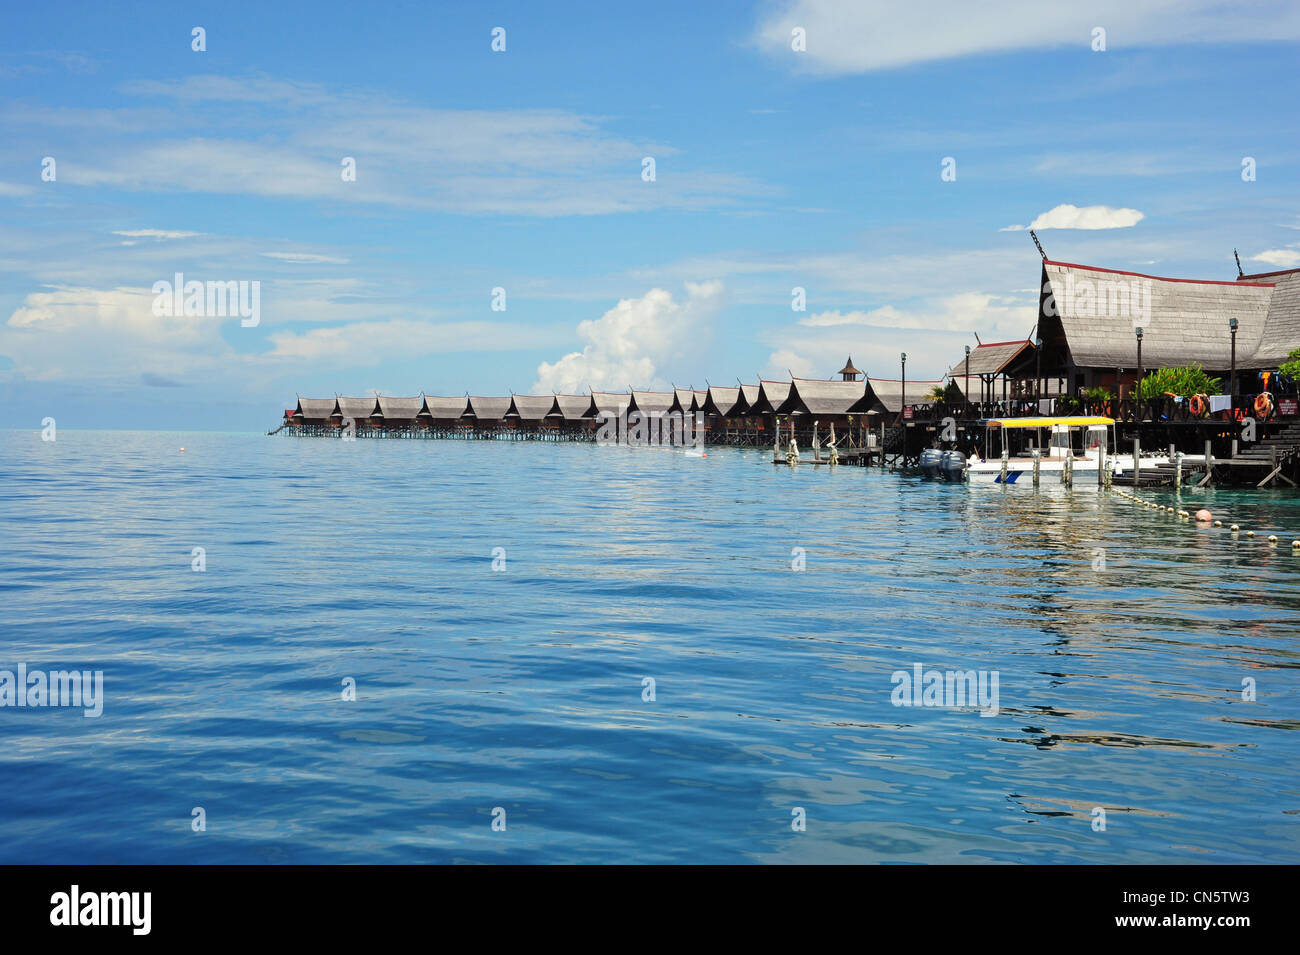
<point>1074,422</point>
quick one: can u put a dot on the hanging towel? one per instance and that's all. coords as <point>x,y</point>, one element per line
<point>1220,403</point>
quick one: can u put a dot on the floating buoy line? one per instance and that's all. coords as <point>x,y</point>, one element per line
<point>1188,516</point>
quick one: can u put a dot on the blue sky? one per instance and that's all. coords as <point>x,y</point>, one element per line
<point>775,168</point>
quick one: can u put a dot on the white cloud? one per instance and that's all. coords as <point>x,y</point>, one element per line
<point>286,140</point>
<point>154,234</point>
<point>370,343</point>
<point>630,343</point>
<point>1066,216</point>
<point>858,36</point>
<point>306,258</point>
<point>931,331</point>
<point>1282,258</point>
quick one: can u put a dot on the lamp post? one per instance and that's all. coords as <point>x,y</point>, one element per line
<point>1038,372</point>
<point>965,392</point>
<point>1138,332</point>
<point>903,393</point>
<point>1232,375</point>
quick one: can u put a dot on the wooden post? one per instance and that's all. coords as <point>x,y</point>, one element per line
<point>1067,471</point>
<point>1006,454</point>
<point>1137,459</point>
<point>1178,470</point>
<point>1038,457</point>
<point>1209,464</point>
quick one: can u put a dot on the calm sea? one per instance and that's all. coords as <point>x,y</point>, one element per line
<point>501,607</point>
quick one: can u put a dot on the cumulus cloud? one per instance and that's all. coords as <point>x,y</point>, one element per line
<point>632,342</point>
<point>1066,216</point>
<point>858,36</point>
<point>1282,258</point>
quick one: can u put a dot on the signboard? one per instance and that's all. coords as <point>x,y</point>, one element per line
<point>1288,406</point>
<point>907,413</point>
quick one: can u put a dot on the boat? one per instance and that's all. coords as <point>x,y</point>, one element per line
<point>1094,437</point>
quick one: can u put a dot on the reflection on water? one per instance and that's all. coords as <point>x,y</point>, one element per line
<point>1121,637</point>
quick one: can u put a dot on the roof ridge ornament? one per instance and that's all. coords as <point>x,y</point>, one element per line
<point>1240,273</point>
<point>1034,235</point>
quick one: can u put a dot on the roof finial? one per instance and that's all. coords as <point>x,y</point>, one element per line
<point>1034,235</point>
<point>1240,273</point>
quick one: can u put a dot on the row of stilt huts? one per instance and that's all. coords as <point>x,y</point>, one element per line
<point>744,415</point>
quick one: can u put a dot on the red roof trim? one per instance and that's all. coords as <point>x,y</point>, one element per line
<point>1262,275</point>
<point>1158,278</point>
<point>996,344</point>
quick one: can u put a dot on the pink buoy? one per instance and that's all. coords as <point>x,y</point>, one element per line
<point>1204,516</point>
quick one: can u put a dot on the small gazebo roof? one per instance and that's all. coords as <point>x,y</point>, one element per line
<point>848,368</point>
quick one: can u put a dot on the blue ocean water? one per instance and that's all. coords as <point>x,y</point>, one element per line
<point>1121,639</point>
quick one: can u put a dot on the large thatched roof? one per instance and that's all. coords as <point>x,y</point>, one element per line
<point>1093,312</point>
<point>815,396</point>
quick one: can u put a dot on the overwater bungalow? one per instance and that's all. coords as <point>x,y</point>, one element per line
<point>487,412</point>
<point>718,401</point>
<point>988,368</point>
<point>359,410</point>
<point>771,395</point>
<point>610,403</point>
<point>400,414</point>
<point>650,403</point>
<point>314,413</point>
<point>887,394</point>
<point>1092,320</point>
<point>444,414</point>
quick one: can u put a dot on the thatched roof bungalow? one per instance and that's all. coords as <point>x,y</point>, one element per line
<point>445,409</point>
<point>771,395</point>
<point>1088,318</point>
<point>400,412</point>
<point>650,402</point>
<point>826,399</point>
<point>360,410</point>
<point>315,410</point>
<point>887,394</point>
<point>531,409</point>
<point>720,401</point>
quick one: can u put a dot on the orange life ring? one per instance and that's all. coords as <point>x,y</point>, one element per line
<point>1263,404</point>
<point>1197,405</point>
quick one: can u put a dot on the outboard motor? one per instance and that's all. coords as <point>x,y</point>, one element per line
<point>952,465</point>
<point>931,462</point>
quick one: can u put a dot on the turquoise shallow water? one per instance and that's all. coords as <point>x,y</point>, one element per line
<point>1119,686</point>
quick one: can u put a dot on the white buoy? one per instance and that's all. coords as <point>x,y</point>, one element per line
<point>1234,527</point>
